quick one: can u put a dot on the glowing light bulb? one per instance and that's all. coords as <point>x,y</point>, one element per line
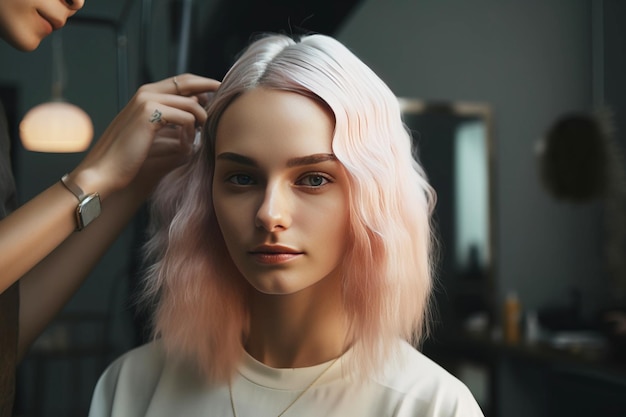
<point>56,126</point>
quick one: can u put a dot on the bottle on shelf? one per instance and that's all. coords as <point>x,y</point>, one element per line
<point>512,316</point>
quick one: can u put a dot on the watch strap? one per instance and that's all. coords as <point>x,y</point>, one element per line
<point>73,188</point>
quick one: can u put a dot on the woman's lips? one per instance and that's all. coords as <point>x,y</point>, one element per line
<point>271,255</point>
<point>51,24</point>
<point>47,26</point>
<point>274,258</point>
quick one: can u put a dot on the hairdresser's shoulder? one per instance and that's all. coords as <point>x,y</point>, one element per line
<point>426,386</point>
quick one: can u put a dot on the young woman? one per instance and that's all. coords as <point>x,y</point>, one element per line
<point>42,260</point>
<point>292,256</point>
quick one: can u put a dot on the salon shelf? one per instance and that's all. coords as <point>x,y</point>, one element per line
<point>569,374</point>
<point>484,348</point>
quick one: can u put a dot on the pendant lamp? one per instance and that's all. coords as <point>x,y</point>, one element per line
<point>56,126</point>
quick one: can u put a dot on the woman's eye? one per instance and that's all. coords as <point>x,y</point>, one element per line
<point>240,179</point>
<point>313,180</point>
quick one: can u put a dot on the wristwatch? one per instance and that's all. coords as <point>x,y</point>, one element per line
<point>88,208</point>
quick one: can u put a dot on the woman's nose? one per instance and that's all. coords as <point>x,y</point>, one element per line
<point>275,211</point>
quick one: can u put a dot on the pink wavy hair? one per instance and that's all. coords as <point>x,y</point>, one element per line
<point>201,309</point>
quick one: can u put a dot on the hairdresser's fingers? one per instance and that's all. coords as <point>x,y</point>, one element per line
<point>183,85</point>
<point>151,101</point>
<point>169,140</point>
<point>183,137</point>
<point>164,155</point>
<point>191,85</point>
<point>168,115</point>
<point>205,99</point>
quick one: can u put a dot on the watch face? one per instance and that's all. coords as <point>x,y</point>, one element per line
<point>88,210</point>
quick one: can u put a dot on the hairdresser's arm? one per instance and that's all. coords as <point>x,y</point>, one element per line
<point>38,242</point>
<point>46,288</point>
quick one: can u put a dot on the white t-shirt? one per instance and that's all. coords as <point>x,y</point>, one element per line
<point>144,382</point>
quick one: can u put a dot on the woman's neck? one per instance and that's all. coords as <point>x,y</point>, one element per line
<point>297,330</point>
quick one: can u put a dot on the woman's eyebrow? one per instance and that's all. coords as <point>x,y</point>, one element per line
<point>311,159</point>
<point>235,157</point>
<point>292,162</point>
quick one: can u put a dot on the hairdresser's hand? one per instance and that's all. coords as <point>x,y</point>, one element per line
<point>152,135</point>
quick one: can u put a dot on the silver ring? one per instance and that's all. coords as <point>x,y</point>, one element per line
<point>176,85</point>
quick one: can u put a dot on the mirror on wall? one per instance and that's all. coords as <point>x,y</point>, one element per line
<point>453,141</point>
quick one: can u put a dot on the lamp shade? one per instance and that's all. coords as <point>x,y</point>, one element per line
<point>56,126</point>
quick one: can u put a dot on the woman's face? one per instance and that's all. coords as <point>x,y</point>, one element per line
<point>24,23</point>
<point>279,193</point>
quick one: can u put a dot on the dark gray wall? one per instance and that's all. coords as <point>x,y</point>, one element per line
<point>613,58</point>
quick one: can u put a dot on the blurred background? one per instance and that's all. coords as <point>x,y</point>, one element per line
<point>518,111</point>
